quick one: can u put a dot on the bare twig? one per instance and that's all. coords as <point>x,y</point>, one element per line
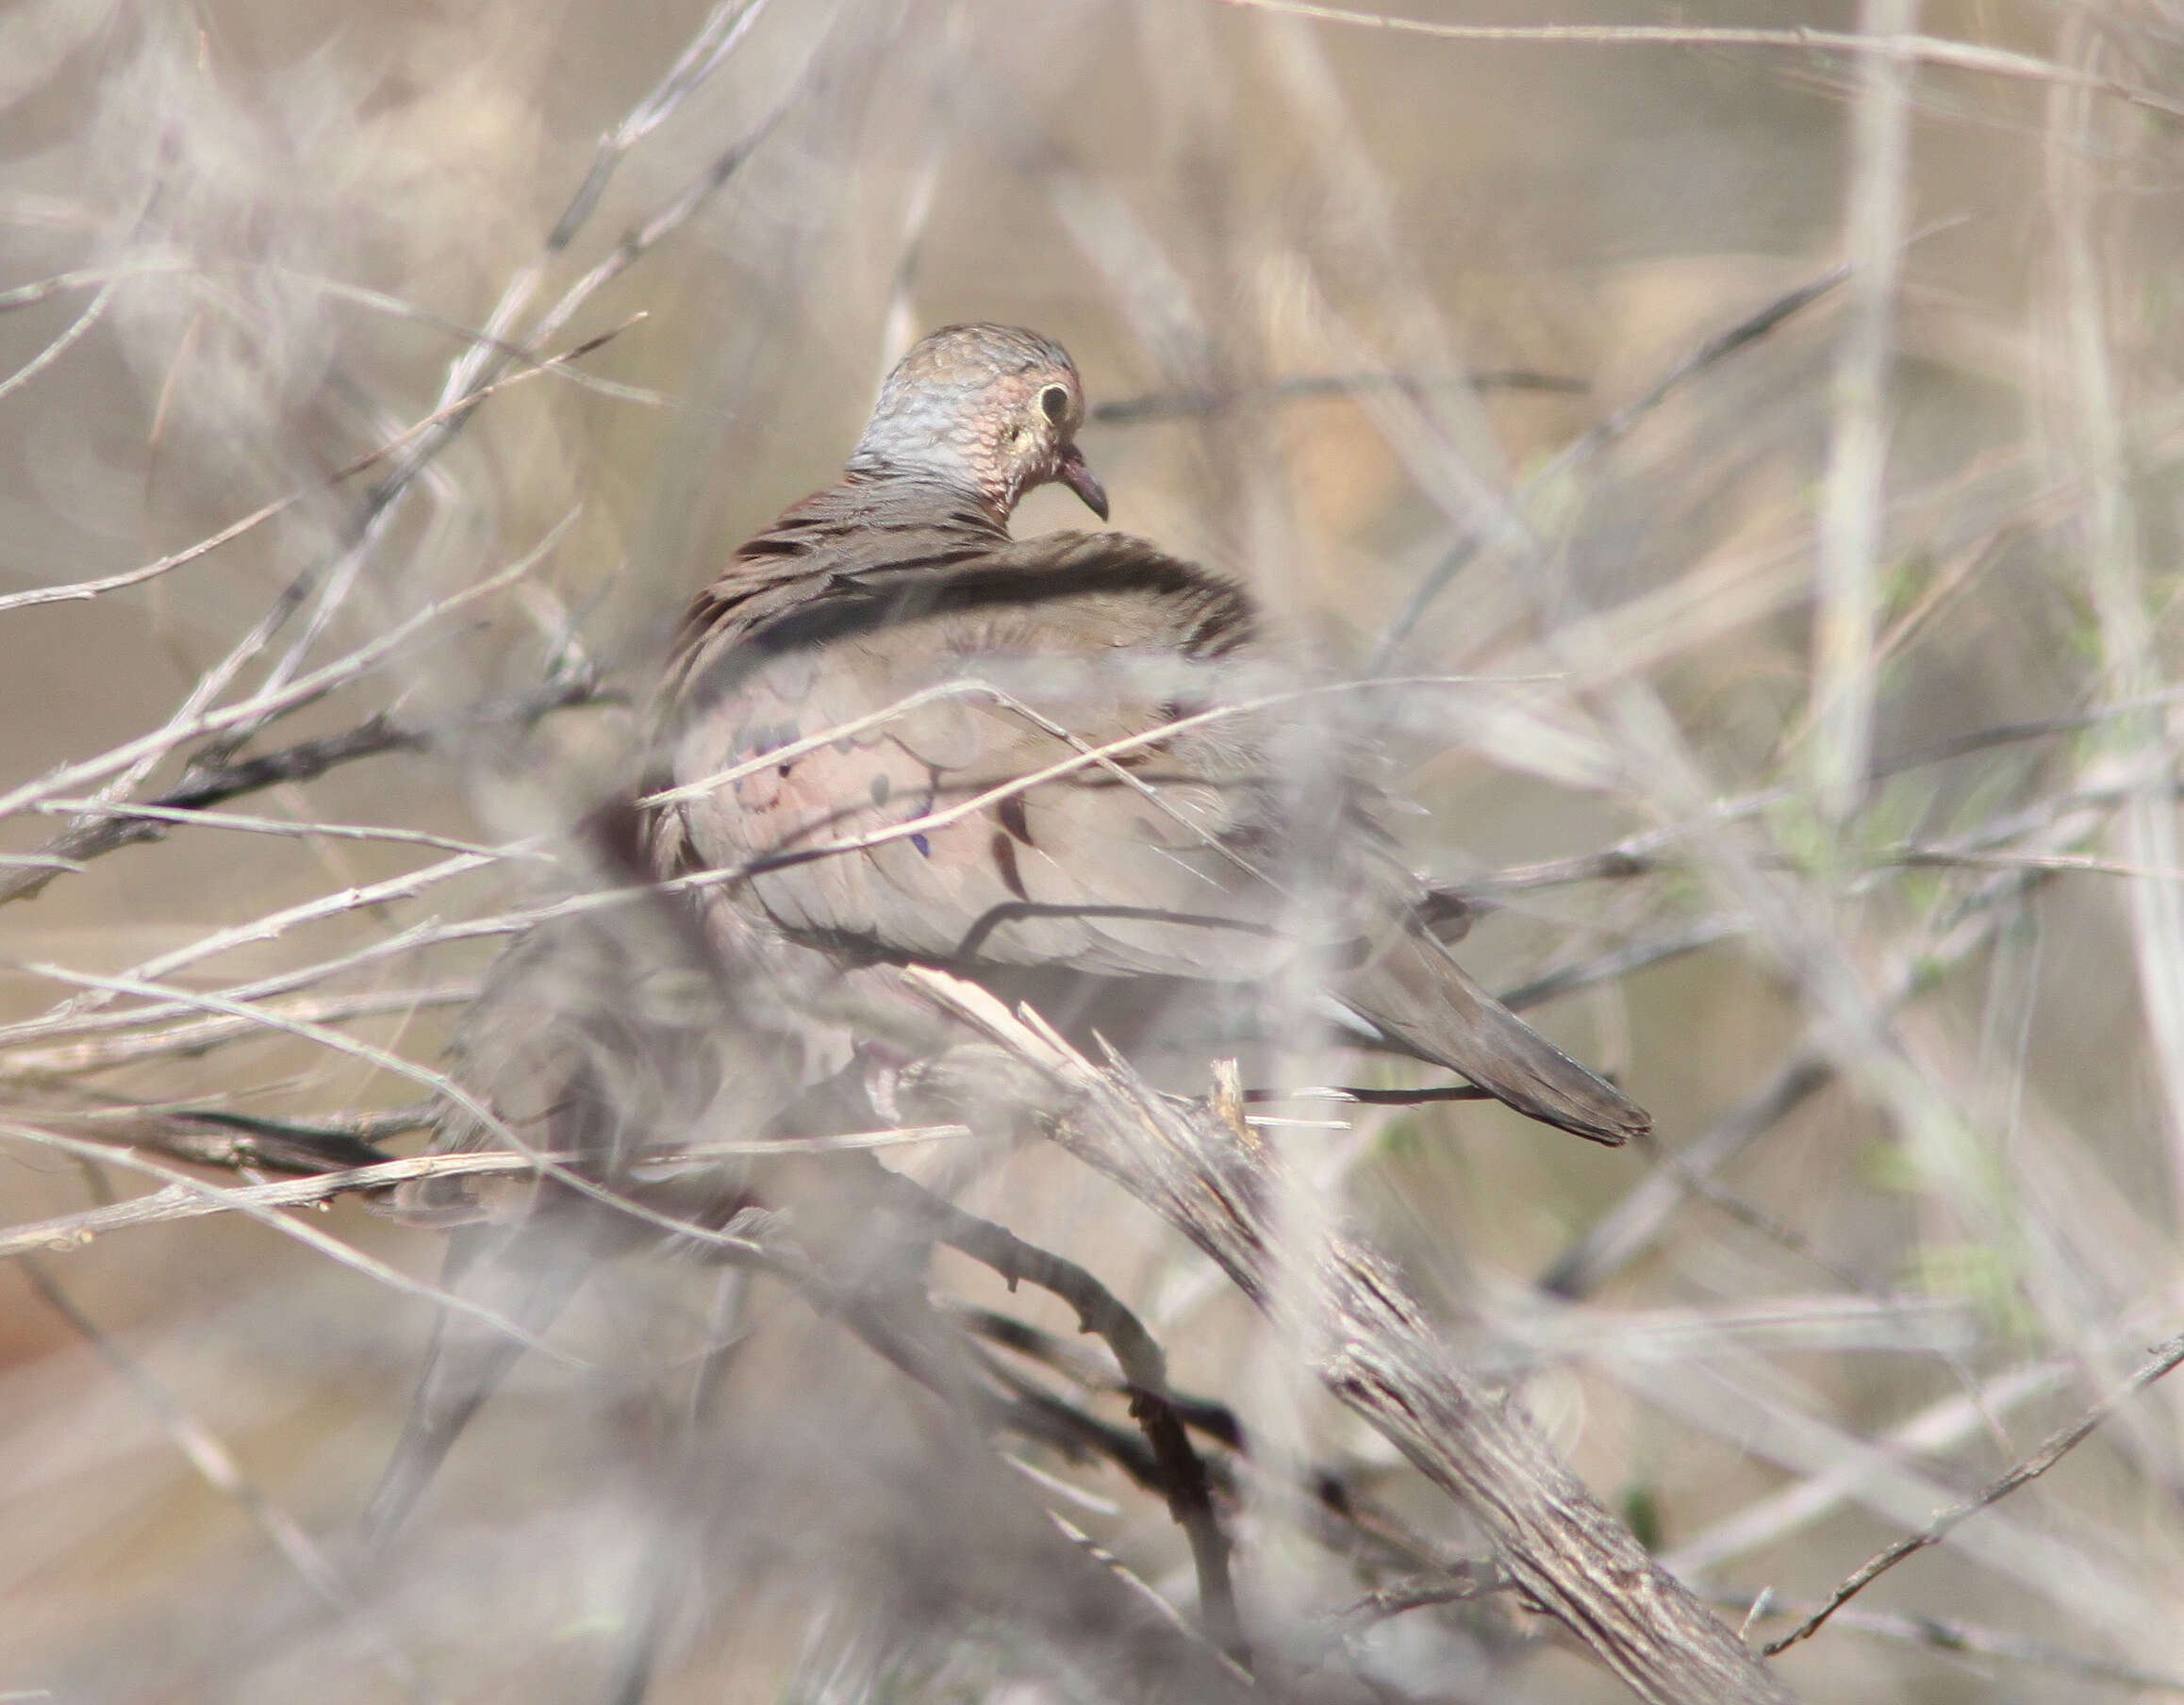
<point>290,828</point>
<point>81,589</point>
<point>1419,1592</point>
<point>304,761</point>
<point>471,374</point>
<point>907,1341</point>
<point>1306,388</point>
<point>1589,444</point>
<point>61,345</point>
<point>1144,1366</point>
<point>2059,1445</point>
<point>1931,50</point>
<point>1949,1635</point>
<point>288,1226</point>
<point>178,1202</point>
<point>302,690</point>
<point>1618,1237</point>
<point>1937,1427</point>
<point>42,1066</point>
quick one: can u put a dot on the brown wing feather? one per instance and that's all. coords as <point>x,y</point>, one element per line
<point>1051,873</point>
<point>882,843</point>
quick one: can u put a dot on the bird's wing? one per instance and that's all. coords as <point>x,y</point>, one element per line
<point>1004,758</point>
<point>994,762</point>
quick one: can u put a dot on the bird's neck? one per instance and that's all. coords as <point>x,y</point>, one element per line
<point>918,497</point>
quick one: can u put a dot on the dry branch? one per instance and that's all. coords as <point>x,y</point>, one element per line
<point>1374,1349</point>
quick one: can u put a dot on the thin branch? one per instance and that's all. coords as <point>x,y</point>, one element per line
<point>179,1201</point>
<point>1420,1592</point>
<point>1130,1578</point>
<point>61,345</point>
<point>202,1035</point>
<point>216,680</point>
<point>1612,966</point>
<point>304,761</point>
<point>1364,1097</point>
<point>2005,734</point>
<point>1305,387</point>
<point>439,1082</point>
<point>472,374</point>
<point>1322,1498</point>
<point>1591,443</point>
<point>1937,1427</point>
<point>1144,1366</point>
<point>66,1018</point>
<point>78,590</point>
<point>303,690</point>
<point>1087,754</point>
<point>469,376</point>
<point>2165,1357</point>
<point>290,828</point>
<point>1100,754</point>
<point>44,290</point>
<point>1931,50</point>
<point>936,1360</point>
<point>1947,858</point>
<point>276,924</point>
<point>302,1230</point>
<point>557,367</point>
<point>1944,1635</point>
<point>1619,1235</point>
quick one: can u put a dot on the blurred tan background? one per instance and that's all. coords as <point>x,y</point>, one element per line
<point>284,217</point>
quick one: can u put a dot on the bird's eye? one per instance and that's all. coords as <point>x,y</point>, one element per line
<point>1054,402</point>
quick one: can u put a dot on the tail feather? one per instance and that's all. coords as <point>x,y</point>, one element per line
<point>527,1276</point>
<point>1423,1002</point>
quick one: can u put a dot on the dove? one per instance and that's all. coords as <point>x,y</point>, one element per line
<point>1071,767</point>
<point>1050,765</point>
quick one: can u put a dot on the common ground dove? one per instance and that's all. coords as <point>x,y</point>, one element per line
<point>1072,767</point>
<point>1047,764</point>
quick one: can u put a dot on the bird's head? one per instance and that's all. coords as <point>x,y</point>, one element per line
<point>990,409</point>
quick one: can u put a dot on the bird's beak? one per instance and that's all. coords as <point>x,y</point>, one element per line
<point>1070,470</point>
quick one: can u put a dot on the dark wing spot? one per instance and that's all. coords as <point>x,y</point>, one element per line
<point>881,787</point>
<point>923,845</point>
<point>774,545</point>
<point>1011,812</point>
<point>1004,858</point>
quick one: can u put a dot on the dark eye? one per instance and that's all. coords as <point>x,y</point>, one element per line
<point>1054,402</point>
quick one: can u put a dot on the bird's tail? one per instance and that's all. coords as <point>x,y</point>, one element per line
<point>1422,1000</point>
<point>524,1275</point>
